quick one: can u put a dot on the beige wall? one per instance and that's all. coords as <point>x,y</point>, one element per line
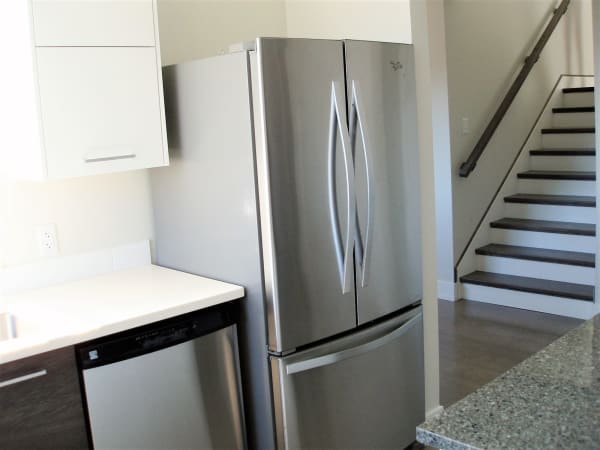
<point>487,42</point>
<point>427,19</point>
<point>90,213</point>
<point>198,28</point>
<point>372,20</point>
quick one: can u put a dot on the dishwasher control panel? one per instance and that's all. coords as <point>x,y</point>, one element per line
<point>155,336</point>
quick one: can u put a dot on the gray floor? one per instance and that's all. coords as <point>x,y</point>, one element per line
<point>479,341</point>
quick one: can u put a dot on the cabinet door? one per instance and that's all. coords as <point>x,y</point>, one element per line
<point>93,23</point>
<point>101,109</point>
<point>41,405</point>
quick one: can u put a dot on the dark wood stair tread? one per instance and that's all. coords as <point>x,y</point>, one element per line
<point>557,175</point>
<point>578,89</point>
<point>538,254</point>
<point>573,109</point>
<point>546,226</point>
<point>564,152</point>
<point>566,130</point>
<point>562,200</point>
<point>532,285</point>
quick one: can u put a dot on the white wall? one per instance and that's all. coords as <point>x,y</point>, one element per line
<point>373,20</point>
<point>192,29</point>
<point>487,42</point>
<point>426,18</point>
<point>90,213</point>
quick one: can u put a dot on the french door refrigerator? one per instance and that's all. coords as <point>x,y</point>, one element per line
<point>294,172</point>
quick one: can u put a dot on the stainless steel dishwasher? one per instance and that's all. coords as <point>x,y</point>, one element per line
<point>173,384</point>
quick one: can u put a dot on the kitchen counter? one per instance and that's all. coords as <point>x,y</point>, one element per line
<point>70,313</point>
<point>551,400</point>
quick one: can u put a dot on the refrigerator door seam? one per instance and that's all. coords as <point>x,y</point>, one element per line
<point>358,123</point>
<point>343,253</point>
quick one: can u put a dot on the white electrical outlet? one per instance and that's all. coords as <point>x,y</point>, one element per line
<point>47,239</point>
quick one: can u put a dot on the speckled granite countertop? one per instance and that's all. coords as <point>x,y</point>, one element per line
<point>550,400</point>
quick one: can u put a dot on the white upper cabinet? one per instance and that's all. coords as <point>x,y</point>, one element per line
<point>83,88</point>
<point>127,23</point>
<point>99,108</point>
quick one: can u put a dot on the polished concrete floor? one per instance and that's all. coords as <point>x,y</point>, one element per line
<point>479,341</point>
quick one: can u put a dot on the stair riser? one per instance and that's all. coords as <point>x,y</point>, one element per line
<point>557,187</point>
<point>568,140</point>
<point>533,302</point>
<point>575,120</point>
<point>578,99</point>
<point>583,163</point>
<point>536,269</point>
<point>552,241</point>
<point>551,212</point>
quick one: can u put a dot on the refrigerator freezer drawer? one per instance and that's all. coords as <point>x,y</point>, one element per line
<point>365,390</point>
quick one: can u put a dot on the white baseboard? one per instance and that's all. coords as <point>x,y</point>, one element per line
<point>434,412</point>
<point>448,290</point>
<point>532,302</point>
<point>57,270</point>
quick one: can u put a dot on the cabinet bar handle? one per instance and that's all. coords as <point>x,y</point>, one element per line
<point>39,373</point>
<point>109,158</point>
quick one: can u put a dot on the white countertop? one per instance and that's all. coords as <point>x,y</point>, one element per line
<point>75,312</point>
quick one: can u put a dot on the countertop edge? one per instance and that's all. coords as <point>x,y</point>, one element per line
<point>35,345</point>
<point>432,439</point>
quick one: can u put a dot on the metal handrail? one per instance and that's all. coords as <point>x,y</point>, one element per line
<point>467,167</point>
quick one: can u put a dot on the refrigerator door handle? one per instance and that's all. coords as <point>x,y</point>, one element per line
<point>337,124</point>
<point>358,122</point>
<point>332,358</point>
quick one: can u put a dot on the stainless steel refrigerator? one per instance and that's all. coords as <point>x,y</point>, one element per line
<point>294,172</point>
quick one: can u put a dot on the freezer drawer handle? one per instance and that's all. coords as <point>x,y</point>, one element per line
<point>337,124</point>
<point>29,376</point>
<point>358,123</point>
<point>302,366</point>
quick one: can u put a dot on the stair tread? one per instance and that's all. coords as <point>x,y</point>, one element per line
<point>532,285</point>
<point>564,152</point>
<point>538,254</point>
<point>558,175</point>
<point>543,199</point>
<point>573,109</point>
<point>546,226</point>
<point>568,130</point>
<point>578,89</point>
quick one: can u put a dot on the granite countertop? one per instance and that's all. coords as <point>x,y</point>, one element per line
<point>550,400</point>
<point>74,312</point>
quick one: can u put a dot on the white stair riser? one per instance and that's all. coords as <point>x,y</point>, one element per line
<point>532,302</point>
<point>578,99</point>
<point>536,269</point>
<point>563,163</point>
<point>553,241</point>
<point>568,140</point>
<point>551,212</point>
<point>575,120</point>
<point>557,187</point>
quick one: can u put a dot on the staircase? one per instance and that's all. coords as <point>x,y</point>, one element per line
<point>543,249</point>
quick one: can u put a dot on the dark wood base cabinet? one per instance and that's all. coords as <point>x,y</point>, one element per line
<point>40,403</point>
